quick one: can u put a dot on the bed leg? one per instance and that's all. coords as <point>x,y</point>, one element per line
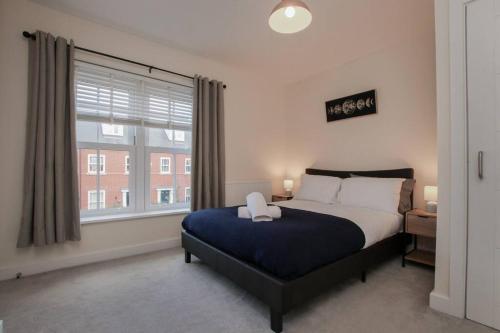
<point>403,250</point>
<point>363,276</point>
<point>276,321</point>
<point>187,256</point>
<point>403,255</point>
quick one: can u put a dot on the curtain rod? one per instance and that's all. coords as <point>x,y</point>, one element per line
<point>150,67</point>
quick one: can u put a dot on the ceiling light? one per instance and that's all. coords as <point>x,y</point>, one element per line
<point>290,12</point>
<point>290,16</point>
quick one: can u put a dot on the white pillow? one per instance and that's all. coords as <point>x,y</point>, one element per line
<point>375,193</point>
<point>318,188</point>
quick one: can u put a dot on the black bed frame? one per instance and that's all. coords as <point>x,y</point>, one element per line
<point>282,295</point>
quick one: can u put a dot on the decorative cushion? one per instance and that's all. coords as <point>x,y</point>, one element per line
<point>405,203</point>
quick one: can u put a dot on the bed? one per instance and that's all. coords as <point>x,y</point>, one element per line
<point>267,259</point>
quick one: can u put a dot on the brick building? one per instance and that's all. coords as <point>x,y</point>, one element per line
<point>110,171</point>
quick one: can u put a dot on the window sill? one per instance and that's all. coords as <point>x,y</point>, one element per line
<point>132,216</point>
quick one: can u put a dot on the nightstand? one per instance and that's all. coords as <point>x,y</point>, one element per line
<point>421,223</point>
<point>281,197</point>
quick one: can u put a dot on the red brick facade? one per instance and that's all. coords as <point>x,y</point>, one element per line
<point>114,179</point>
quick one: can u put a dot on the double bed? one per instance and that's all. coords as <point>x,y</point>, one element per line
<point>290,260</point>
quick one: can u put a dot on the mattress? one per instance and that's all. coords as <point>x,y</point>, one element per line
<point>290,247</point>
<point>376,225</point>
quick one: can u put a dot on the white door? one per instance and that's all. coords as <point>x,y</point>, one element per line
<point>483,112</point>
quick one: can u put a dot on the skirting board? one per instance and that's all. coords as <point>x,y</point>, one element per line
<point>10,272</point>
<point>443,303</point>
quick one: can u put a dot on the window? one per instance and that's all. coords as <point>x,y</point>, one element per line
<point>125,198</point>
<point>187,166</point>
<point>127,165</point>
<point>187,194</point>
<point>164,165</point>
<point>176,136</point>
<point>113,130</point>
<point>95,202</point>
<point>93,164</point>
<point>164,196</point>
<point>134,137</point>
<point>101,168</point>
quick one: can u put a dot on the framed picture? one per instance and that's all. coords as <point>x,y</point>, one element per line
<point>355,105</point>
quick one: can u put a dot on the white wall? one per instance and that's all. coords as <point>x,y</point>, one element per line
<point>449,294</point>
<point>401,134</point>
<point>442,273</point>
<point>249,101</point>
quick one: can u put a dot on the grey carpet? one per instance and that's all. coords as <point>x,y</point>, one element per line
<point>158,292</point>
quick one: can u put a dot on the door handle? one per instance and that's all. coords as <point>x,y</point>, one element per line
<point>480,164</point>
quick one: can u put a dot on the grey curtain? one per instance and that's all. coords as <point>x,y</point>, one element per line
<point>51,211</point>
<point>208,155</point>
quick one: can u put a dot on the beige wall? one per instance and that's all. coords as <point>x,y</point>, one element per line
<point>251,103</point>
<point>401,134</point>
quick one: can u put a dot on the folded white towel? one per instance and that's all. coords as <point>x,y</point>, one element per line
<point>275,212</point>
<point>244,213</point>
<point>257,206</point>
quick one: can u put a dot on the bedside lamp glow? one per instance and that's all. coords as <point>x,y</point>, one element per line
<point>288,186</point>
<point>431,196</point>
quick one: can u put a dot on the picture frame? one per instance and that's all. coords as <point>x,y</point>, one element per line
<point>356,105</point>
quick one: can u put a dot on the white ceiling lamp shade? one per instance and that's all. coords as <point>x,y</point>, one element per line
<point>290,16</point>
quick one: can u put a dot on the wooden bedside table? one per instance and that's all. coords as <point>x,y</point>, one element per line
<point>419,222</point>
<point>281,197</point>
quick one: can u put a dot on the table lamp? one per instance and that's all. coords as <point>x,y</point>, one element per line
<point>430,197</point>
<point>288,186</point>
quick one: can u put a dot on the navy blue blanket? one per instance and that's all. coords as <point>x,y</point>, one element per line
<point>290,247</point>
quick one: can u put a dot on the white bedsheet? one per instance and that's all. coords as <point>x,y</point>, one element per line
<point>376,225</point>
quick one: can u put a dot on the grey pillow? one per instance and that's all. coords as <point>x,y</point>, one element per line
<point>405,196</point>
<point>405,203</point>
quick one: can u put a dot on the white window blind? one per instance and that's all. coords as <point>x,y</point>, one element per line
<point>105,95</point>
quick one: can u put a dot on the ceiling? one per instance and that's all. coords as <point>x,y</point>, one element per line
<point>236,32</point>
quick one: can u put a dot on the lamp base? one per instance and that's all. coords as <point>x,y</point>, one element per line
<point>288,193</point>
<point>431,207</point>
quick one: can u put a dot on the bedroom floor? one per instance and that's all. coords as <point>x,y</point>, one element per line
<point>158,292</point>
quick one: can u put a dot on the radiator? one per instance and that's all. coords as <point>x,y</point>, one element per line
<point>236,191</point>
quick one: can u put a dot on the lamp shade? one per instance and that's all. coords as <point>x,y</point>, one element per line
<point>430,193</point>
<point>290,16</point>
<point>288,184</point>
